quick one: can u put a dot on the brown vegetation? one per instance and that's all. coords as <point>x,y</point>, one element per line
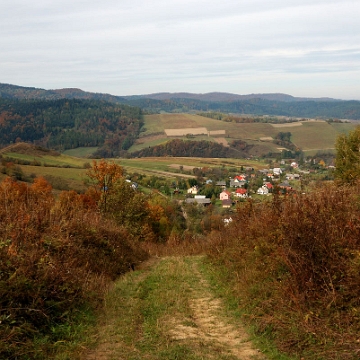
<point>295,264</point>
<point>56,255</point>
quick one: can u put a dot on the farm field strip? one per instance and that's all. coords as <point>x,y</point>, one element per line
<point>185,131</point>
<point>293,124</point>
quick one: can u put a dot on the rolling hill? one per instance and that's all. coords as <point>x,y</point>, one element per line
<point>259,104</point>
<point>310,136</point>
<point>110,126</point>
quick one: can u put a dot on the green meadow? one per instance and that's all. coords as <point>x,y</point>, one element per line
<point>60,160</point>
<point>82,152</point>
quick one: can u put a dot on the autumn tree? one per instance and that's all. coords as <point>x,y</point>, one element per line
<point>102,178</point>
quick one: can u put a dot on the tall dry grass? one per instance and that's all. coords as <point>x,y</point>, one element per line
<point>295,265</point>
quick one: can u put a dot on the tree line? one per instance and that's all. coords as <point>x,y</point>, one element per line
<point>178,147</point>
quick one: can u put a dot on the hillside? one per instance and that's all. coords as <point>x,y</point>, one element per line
<point>260,104</point>
<point>257,137</point>
<point>110,126</point>
<point>67,124</point>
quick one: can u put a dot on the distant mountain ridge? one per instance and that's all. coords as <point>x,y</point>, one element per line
<point>275,104</point>
<point>21,92</point>
<point>223,96</point>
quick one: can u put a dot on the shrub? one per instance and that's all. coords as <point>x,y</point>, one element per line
<point>295,262</point>
<point>55,256</point>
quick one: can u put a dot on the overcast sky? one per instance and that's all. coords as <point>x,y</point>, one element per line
<point>124,47</point>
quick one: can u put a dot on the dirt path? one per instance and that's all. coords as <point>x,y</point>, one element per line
<point>210,324</point>
<point>179,318</point>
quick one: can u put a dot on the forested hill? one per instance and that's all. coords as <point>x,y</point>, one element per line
<point>257,104</point>
<point>70,123</point>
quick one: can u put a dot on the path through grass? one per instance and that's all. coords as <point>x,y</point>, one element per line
<point>168,310</point>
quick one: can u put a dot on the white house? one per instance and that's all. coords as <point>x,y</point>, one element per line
<point>193,190</point>
<point>277,171</point>
<point>263,190</point>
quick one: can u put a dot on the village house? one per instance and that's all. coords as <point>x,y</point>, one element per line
<point>285,187</point>
<point>241,177</point>
<point>193,190</point>
<point>226,203</point>
<point>277,171</point>
<point>225,195</point>
<point>234,183</point>
<point>199,199</point>
<point>263,190</point>
<point>269,186</point>
<point>221,183</point>
<point>242,193</point>
<point>292,177</point>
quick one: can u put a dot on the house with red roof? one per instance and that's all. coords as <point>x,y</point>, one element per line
<point>239,178</point>
<point>242,193</point>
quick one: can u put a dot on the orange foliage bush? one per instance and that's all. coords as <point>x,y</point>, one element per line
<point>55,255</point>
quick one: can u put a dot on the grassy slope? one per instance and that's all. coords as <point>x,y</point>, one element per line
<point>82,152</point>
<point>74,177</point>
<point>314,135</point>
<point>61,160</point>
<point>311,135</point>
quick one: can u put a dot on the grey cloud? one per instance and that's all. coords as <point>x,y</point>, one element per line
<point>140,46</point>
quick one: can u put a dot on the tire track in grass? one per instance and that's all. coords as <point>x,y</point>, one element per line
<point>209,324</point>
<point>168,311</point>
